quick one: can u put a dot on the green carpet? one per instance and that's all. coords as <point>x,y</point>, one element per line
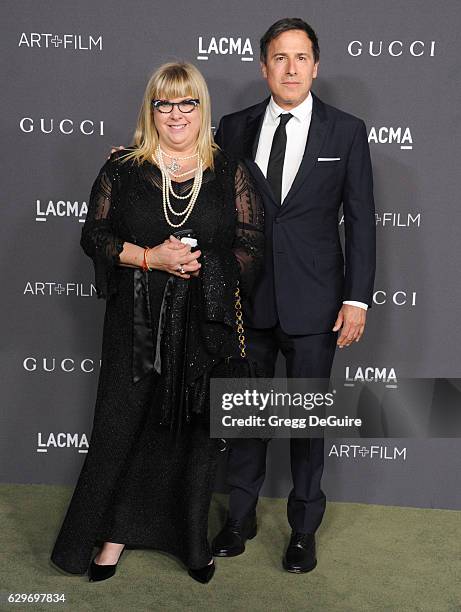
<point>369,558</point>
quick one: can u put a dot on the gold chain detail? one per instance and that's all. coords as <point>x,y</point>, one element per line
<point>239,323</point>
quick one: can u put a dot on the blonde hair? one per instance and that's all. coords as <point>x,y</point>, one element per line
<point>173,80</point>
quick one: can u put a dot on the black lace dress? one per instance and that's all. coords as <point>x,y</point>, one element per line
<point>139,485</point>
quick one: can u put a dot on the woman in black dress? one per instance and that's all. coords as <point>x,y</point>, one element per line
<point>148,476</point>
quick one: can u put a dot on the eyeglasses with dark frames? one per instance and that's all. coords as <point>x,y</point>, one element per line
<point>185,106</point>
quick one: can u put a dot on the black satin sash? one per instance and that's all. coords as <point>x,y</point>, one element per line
<point>146,353</point>
<point>143,342</point>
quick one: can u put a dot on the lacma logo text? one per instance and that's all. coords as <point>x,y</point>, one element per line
<point>225,45</point>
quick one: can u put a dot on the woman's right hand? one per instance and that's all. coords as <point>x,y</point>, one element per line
<point>171,256</point>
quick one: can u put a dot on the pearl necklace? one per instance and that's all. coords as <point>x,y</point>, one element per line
<point>175,166</point>
<point>167,188</point>
<point>182,173</point>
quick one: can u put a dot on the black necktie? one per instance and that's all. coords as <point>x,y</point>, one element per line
<point>276,157</point>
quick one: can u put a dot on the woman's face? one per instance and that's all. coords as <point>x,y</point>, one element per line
<point>178,131</point>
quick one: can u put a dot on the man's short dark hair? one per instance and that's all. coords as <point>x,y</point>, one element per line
<point>284,25</point>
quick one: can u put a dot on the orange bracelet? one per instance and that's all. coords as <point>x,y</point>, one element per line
<point>145,265</point>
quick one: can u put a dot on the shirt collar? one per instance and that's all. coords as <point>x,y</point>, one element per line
<point>301,112</point>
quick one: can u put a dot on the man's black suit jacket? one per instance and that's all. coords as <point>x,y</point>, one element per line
<point>306,277</point>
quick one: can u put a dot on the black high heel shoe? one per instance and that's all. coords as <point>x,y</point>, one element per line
<point>203,574</point>
<point>98,572</point>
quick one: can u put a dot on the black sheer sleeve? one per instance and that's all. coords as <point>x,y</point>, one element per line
<point>99,240</point>
<point>248,246</point>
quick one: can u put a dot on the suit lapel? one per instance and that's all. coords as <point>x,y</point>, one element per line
<point>261,180</point>
<point>252,129</point>
<point>250,140</point>
<point>317,131</point>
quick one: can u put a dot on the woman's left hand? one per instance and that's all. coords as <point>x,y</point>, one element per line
<point>174,240</point>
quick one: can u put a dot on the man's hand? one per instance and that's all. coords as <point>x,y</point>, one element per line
<point>351,321</point>
<point>114,149</point>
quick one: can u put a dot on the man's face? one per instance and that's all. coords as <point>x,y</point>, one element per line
<point>290,68</point>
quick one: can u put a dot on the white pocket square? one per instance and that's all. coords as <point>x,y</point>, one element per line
<point>328,159</point>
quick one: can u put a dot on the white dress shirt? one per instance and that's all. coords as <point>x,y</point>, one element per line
<point>297,130</point>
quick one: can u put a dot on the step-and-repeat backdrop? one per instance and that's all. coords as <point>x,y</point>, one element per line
<point>74,75</point>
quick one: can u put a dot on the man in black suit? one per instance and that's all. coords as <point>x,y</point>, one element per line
<point>307,158</point>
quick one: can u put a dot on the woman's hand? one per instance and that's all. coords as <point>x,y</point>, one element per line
<point>174,240</point>
<point>172,255</point>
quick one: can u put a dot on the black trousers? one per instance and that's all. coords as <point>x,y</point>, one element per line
<point>308,356</point>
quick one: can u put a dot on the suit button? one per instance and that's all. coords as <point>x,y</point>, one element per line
<point>276,220</point>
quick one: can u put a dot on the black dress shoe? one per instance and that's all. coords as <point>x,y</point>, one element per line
<point>300,555</point>
<point>203,574</point>
<point>230,541</point>
<point>98,572</point>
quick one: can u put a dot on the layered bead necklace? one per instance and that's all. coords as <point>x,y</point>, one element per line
<point>167,187</point>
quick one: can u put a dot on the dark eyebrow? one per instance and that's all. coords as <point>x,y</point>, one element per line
<point>284,53</point>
